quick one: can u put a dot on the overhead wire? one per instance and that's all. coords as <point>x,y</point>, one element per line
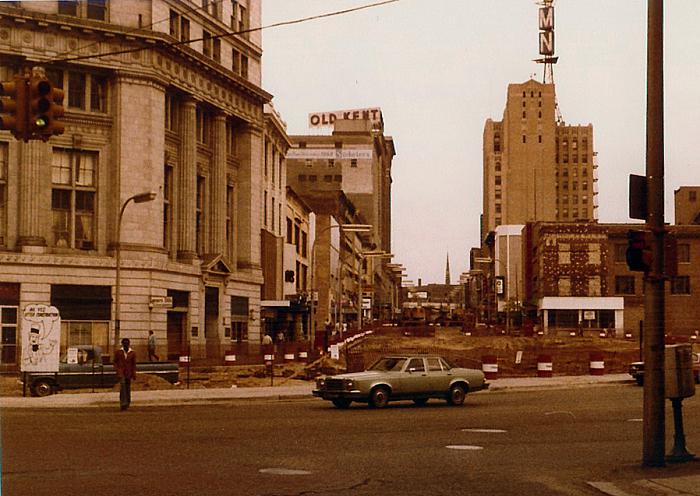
<point>233,33</point>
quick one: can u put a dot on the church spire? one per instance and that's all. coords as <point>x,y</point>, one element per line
<point>447,271</point>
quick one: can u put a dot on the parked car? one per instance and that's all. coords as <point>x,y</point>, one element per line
<point>636,370</point>
<point>416,378</point>
<point>82,368</point>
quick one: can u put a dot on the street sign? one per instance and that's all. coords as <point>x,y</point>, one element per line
<point>161,302</point>
<point>366,303</point>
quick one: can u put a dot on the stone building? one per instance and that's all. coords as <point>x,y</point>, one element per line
<point>536,168</point>
<point>686,201</point>
<point>354,161</point>
<point>143,114</point>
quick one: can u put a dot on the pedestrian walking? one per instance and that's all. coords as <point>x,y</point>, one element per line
<point>125,367</point>
<point>152,347</point>
<point>266,340</point>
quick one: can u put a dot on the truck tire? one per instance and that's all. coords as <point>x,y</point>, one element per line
<point>42,388</point>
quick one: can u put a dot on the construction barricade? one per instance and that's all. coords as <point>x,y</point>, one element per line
<point>489,365</point>
<point>544,365</point>
<point>597,363</point>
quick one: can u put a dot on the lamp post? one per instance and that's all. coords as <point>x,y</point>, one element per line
<point>363,256</point>
<point>342,228</point>
<point>140,198</point>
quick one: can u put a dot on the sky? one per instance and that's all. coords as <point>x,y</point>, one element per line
<point>439,69</point>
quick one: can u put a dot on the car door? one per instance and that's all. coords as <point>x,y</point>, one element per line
<point>438,376</point>
<point>416,377</point>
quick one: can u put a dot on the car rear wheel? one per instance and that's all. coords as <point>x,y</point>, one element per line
<point>456,395</point>
<point>379,397</point>
<point>42,388</point>
<point>420,401</point>
<point>342,403</point>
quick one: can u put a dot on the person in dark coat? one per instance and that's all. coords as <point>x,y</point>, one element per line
<point>125,367</point>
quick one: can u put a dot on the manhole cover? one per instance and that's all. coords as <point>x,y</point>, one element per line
<point>284,471</point>
<point>464,447</point>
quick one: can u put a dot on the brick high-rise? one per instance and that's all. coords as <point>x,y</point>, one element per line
<point>535,166</point>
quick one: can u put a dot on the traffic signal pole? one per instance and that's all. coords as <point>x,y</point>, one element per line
<point>654,299</point>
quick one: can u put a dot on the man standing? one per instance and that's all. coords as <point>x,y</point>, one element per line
<point>125,367</point>
<point>152,347</point>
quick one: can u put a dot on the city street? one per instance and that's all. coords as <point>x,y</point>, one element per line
<point>505,443</point>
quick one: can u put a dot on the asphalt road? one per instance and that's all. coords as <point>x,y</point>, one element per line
<point>501,443</point>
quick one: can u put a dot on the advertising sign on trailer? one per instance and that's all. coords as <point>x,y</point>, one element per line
<point>41,338</point>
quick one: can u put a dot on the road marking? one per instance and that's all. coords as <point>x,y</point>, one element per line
<point>283,471</point>
<point>489,431</point>
<point>561,412</point>
<point>464,447</point>
<point>608,488</point>
<point>635,420</point>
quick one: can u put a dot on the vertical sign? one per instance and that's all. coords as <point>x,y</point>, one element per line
<point>41,338</point>
<point>546,21</point>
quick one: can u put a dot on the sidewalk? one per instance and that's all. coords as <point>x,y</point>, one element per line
<point>168,397</point>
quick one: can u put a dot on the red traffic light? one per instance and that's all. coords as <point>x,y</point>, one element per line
<point>638,255</point>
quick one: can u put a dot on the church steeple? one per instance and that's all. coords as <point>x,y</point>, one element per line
<point>447,271</point>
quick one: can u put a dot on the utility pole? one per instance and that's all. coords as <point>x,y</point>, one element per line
<point>654,299</point>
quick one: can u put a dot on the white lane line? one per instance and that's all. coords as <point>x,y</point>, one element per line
<point>464,447</point>
<point>488,431</point>
<point>608,488</point>
<point>635,420</point>
<point>283,471</point>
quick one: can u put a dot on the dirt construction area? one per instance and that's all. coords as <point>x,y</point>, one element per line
<point>515,357</point>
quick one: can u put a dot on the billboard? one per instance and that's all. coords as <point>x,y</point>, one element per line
<point>41,338</point>
<point>326,119</point>
<point>329,153</point>
<point>546,23</point>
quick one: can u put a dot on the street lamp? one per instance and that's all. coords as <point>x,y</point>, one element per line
<point>140,198</point>
<point>342,228</point>
<point>363,256</point>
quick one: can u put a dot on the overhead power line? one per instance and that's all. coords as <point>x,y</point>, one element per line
<point>232,33</point>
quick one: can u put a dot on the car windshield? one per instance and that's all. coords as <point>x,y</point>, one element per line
<point>388,364</point>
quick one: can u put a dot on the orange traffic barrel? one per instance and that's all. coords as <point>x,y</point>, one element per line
<point>544,365</point>
<point>597,363</point>
<point>489,365</point>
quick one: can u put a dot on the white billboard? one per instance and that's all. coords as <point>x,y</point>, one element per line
<point>329,153</point>
<point>41,338</point>
<point>327,119</point>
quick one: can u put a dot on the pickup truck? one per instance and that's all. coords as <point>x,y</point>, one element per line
<point>636,370</point>
<point>82,368</point>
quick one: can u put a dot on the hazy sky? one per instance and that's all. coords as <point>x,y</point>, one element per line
<point>439,69</point>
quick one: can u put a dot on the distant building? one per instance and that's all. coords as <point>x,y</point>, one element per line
<point>686,200</point>
<point>535,168</point>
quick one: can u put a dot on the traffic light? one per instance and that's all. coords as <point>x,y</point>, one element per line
<point>45,107</point>
<point>638,255</point>
<point>13,107</point>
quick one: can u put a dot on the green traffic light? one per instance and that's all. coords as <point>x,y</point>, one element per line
<point>41,122</point>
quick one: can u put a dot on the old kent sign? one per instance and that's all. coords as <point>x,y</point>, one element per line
<point>325,119</point>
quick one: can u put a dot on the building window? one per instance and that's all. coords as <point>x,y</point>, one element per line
<point>680,285</point>
<point>304,243</point>
<point>203,127</point>
<point>497,180</point>
<point>308,162</point>
<point>312,179</point>
<point>97,10</point>
<point>231,146</point>
<point>497,143</point>
<point>620,253</point>
<point>73,198</point>
<point>272,211</point>
<point>290,233</point>
<point>683,253</point>
<point>524,139</point>
<point>244,66</point>
<point>328,178</point>
<point>184,29</point>
<point>76,90</point>
<point>539,138</point>
<point>265,209</point>
<point>692,196</point>
<point>236,61</point>
<point>68,7</point>
<point>274,162</point>
<point>206,44</point>
<point>200,213</point>
<point>338,178</point>
<point>243,19</point>
<point>353,162</point>
<point>302,178</point>
<point>217,50</point>
<point>539,114</point>
<point>524,114</point>
<point>230,212</point>
<point>498,167</point>
<point>174,23</point>
<point>167,205</point>
<point>331,162</point>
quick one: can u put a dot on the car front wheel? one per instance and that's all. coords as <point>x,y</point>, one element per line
<point>456,395</point>
<point>379,397</point>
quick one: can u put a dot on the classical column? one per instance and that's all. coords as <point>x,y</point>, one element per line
<point>32,155</point>
<point>187,175</point>
<point>218,187</point>
<point>249,198</point>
